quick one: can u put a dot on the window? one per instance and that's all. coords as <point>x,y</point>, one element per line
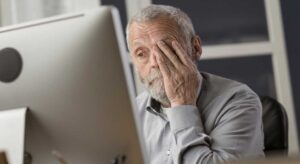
<point>230,21</point>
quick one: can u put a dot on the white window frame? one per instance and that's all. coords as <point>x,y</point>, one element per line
<point>275,47</point>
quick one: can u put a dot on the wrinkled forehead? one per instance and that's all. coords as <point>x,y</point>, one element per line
<point>154,30</point>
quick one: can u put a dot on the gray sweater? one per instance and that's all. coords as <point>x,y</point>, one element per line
<point>225,125</point>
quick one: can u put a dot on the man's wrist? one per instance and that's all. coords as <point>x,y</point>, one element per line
<point>184,116</point>
<point>179,103</point>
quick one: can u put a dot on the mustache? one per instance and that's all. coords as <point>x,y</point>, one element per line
<point>154,74</point>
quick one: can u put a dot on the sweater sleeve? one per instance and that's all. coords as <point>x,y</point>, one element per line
<point>236,134</point>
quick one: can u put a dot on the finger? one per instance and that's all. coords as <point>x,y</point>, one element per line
<point>169,54</point>
<point>183,56</point>
<point>163,63</point>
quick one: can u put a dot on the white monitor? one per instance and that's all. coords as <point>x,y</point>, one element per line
<point>73,75</point>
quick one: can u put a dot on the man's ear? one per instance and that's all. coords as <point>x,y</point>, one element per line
<point>196,47</point>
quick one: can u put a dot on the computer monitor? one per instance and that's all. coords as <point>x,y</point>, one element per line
<point>73,75</point>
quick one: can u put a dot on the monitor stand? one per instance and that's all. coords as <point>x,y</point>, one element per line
<point>12,133</point>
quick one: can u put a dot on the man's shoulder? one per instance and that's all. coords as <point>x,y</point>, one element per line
<point>226,91</point>
<point>219,84</point>
<point>224,95</point>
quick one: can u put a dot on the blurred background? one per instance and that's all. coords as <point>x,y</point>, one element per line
<point>252,41</point>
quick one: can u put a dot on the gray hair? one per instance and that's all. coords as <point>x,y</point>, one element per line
<point>152,12</point>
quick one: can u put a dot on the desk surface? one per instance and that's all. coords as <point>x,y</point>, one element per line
<point>273,160</point>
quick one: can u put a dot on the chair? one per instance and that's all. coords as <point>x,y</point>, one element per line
<point>275,124</point>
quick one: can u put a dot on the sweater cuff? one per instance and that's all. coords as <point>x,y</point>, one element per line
<point>184,116</point>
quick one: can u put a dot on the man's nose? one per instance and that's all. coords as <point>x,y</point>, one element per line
<point>153,61</point>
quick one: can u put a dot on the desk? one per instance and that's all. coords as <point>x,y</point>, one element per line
<point>271,160</point>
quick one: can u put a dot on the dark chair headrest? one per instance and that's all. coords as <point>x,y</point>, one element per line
<point>275,124</point>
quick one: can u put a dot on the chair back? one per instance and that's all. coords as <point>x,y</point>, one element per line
<point>275,124</point>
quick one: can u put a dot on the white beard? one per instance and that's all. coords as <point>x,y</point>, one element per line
<point>155,85</point>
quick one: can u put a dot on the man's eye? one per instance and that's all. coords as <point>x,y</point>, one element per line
<point>141,54</point>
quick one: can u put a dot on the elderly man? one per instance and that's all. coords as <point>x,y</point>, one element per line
<point>187,116</point>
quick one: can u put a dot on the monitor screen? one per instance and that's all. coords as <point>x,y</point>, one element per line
<point>72,73</point>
